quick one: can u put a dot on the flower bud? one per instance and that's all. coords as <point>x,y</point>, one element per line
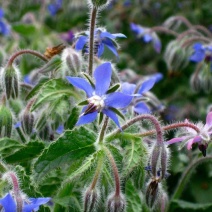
<point>72,60</point>
<point>195,82</point>
<point>27,122</point>
<point>203,148</point>
<point>99,3</point>
<point>46,133</point>
<point>152,192</point>
<point>10,81</point>
<point>206,78</point>
<point>155,154</point>
<point>164,158</point>
<point>5,121</point>
<point>116,203</point>
<point>175,56</point>
<point>90,199</point>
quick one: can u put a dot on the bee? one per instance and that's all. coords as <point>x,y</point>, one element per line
<point>52,51</point>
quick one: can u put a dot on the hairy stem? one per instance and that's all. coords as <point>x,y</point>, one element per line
<point>26,51</point>
<point>115,171</point>
<point>186,175</point>
<point>163,29</point>
<point>191,40</point>
<point>103,129</point>
<point>91,41</point>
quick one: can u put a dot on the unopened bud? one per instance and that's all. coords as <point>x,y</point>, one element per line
<point>27,122</point>
<point>46,133</point>
<point>175,56</point>
<point>203,148</point>
<point>195,82</point>
<point>164,157</point>
<point>90,199</point>
<point>116,203</point>
<point>162,201</point>
<point>10,81</point>
<point>206,78</point>
<point>5,121</point>
<point>152,192</point>
<point>155,154</point>
<point>72,60</point>
<point>99,3</point>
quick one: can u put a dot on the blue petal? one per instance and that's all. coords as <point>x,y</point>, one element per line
<point>157,77</point>
<point>197,46</point>
<point>102,76</point>
<point>100,49</point>
<point>60,129</point>
<point>147,38</point>
<point>136,28</point>
<point>146,85</point>
<point>81,42</point>
<point>35,203</point>
<point>81,84</point>
<point>17,125</point>
<point>87,118</point>
<point>112,115</point>
<point>107,35</point>
<point>118,100</point>
<point>128,88</point>
<point>141,108</point>
<point>119,35</point>
<point>8,203</point>
<point>198,56</point>
<point>110,46</point>
<point>1,13</point>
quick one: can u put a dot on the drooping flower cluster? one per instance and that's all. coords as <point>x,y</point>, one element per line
<point>147,36</point>
<point>190,136</point>
<point>100,100</point>
<point>102,38</point>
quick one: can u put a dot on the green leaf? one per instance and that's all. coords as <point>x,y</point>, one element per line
<point>24,29</point>
<point>134,157</point>
<point>72,146</point>
<point>189,206</point>
<point>87,163</point>
<point>26,153</point>
<point>73,118</point>
<point>9,146</point>
<point>133,199</point>
<point>37,88</point>
<point>53,90</point>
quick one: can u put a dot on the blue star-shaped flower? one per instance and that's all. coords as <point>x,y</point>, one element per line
<point>101,39</point>
<point>32,204</point>
<point>98,98</point>
<point>129,89</point>
<point>55,7</point>
<point>144,33</point>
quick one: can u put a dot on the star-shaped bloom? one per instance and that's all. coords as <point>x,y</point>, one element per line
<point>190,136</point>
<point>147,36</point>
<point>32,204</point>
<point>55,7</point>
<point>102,38</point>
<point>100,100</point>
<point>201,52</point>
<point>138,105</point>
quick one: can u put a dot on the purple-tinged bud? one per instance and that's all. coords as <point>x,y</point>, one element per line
<point>162,201</point>
<point>152,192</point>
<point>6,121</point>
<point>155,155</point>
<point>164,161</point>
<point>46,133</point>
<point>27,119</point>
<point>90,199</point>
<point>116,203</point>
<point>72,60</point>
<point>10,81</point>
<point>195,82</point>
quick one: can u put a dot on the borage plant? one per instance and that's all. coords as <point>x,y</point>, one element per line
<point>68,150</point>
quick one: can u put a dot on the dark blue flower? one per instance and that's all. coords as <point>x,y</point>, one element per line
<point>98,98</point>
<point>101,39</point>
<point>55,7</point>
<point>146,35</point>
<point>198,54</point>
<point>32,204</point>
<point>138,105</point>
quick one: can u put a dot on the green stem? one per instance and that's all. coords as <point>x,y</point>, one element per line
<point>115,171</point>
<point>103,129</point>
<point>26,51</point>
<point>91,41</point>
<point>187,173</point>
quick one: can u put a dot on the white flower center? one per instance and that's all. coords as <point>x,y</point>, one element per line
<point>97,101</point>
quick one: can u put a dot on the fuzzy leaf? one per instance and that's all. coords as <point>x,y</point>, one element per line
<point>26,153</point>
<point>134,156</point>
<point>53,90</point>
<point>9,146</point>
<point>133,198</point>
<point>72,146</point>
